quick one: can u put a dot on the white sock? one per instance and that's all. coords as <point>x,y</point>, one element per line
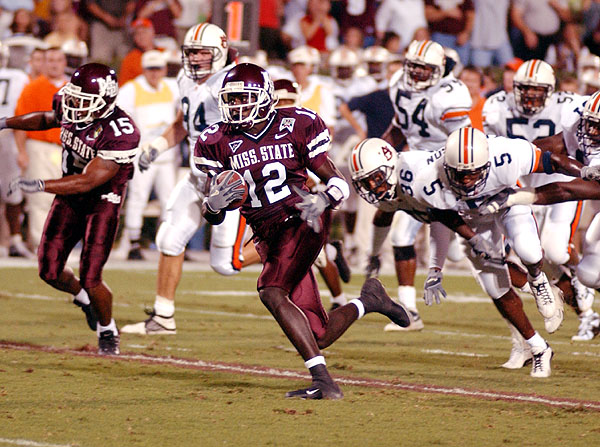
<point>164,306</point>
<point>15,239</point>
<point>340,299</point>
<point>112,326</point>
<point>134,234</point>
<point>317,360</point>
<point>526,288</point>
<point>407,296</point>
<point>82,297</point>
<point>360,306</point>
<point>537,343</point>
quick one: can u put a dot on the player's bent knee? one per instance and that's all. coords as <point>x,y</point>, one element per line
<point>587,272</point>
<point>528,253</point>
<point>556,254</point>
<point>404,253</point>
<point>169,241</point>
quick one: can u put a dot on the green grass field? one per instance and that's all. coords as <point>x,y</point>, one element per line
<point>221,380</point>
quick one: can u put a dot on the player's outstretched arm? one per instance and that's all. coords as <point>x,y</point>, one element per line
<point>552,162</point>
<point>30,121</point>
<point>96,173</point>
<point>554,143</point>
<point>173,135</point>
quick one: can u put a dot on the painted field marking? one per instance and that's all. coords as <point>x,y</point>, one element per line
<point>29,443</point>
<point>460,354</point>
<point>289,374</point>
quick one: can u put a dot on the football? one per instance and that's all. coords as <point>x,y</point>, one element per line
<point>236,176</point>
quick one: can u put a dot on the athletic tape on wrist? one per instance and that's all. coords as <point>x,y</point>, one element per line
<point>317,360</point>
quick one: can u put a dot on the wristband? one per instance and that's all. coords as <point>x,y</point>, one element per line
<point>337,190</point>
<point>3,123</point>
<point>547,163</point>
<point>160,144</point>
<point>522,196</point>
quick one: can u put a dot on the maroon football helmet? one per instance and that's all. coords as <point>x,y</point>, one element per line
<point>246,97</point>
<point>287,93</point>
<point>90,94</point>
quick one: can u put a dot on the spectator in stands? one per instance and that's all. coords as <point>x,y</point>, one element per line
<point>40,152</point>
<point>490,44</point>
<point>451,24</point>
<point>507,77</point>
<point>406,18</point>
<point>65,27</point>
<point>108,31</point>
<point>36,65</point>
<point>537,25</point>
<point>320,29</point>
<point>269,22</point>
<point>353,38</point>
<point>359,15</point>
<point>473,78</point>
<point>143,40</point>
<point>22,24</point>
<point>161,13</point>
<point>152,101</point>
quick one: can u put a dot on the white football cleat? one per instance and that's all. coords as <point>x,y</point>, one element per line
<point>584,295</point>
<point>589,327</point>
<point>520,354</point>
<point>540,367</point>
<point>416,323</point>
<point>553,323</point>
<point>154,325</point>
<point>544,297</point>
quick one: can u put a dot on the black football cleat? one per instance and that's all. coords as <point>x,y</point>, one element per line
<point>108,343</point>
<point>318,390</point>
<point>375,299</point>
<point>135,254</point>
<point>90,314</point>
<point>341,263</point>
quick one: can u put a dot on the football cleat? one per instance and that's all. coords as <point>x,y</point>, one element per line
<point>520,354</point>
<point>540,366</point>
<point>154,325</point>
<point>340,262</point>
<point>135,254</point>
<point>90,314</point>
<point>375,299</point>
<point>553,323</point>
<point>589,327</point>
<point>584,295</point>
<point>416,323</point>
<point>543,294</point>
<point>108,343</point>
<point>318,390</point>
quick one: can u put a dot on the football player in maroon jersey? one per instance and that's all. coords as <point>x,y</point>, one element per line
<point>99,143</point>
<point>272,149</point>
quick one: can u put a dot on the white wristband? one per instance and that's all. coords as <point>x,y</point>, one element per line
<point>160,144</point>
<point>340,184</point>
<point>522,196</point>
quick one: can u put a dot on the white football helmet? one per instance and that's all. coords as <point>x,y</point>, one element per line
<point>467,161</point>
<point>343,63</point>
<point>207,37</point>
<point>533,86</point>
<point>424,64</point>
<point>452,54</point>
<point>588,73</point>
<point>76,52</point>
<point>588,129</point>
<point>373,169</point>
<point>304,55</point>
<point>376,58</point>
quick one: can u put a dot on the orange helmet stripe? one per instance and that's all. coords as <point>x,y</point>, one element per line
<point>199,31</point>
<point>595,104</point>
<point>532,67</point>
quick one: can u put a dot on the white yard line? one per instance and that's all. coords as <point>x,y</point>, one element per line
<point>29,443</point>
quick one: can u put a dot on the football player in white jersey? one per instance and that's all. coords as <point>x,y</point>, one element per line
<point>428,107</point>
<point>460,178</point>
<point>12,82</point>
<point>432,181</point>
<point>206,59</point>
<point>531,111</point>
<point>580,139</point>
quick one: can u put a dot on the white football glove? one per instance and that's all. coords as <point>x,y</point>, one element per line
<point>150,152</point>
<point>483,249</point>
<point>496,202</point>
<point>35,185</point>
<point>433,287</point>
<point>311,207</point>
<point>222,194</point>
<point>590,172</point>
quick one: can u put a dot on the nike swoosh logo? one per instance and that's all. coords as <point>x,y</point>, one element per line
<point>87,137</point>
<point>311,392</point>
<point>280,135</point>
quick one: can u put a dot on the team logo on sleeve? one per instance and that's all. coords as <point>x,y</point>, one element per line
<point>97,132</point>
<point>235,145</point>
<point>287,124</point>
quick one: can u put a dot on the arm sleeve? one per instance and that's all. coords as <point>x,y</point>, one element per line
<point>439,241</point>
